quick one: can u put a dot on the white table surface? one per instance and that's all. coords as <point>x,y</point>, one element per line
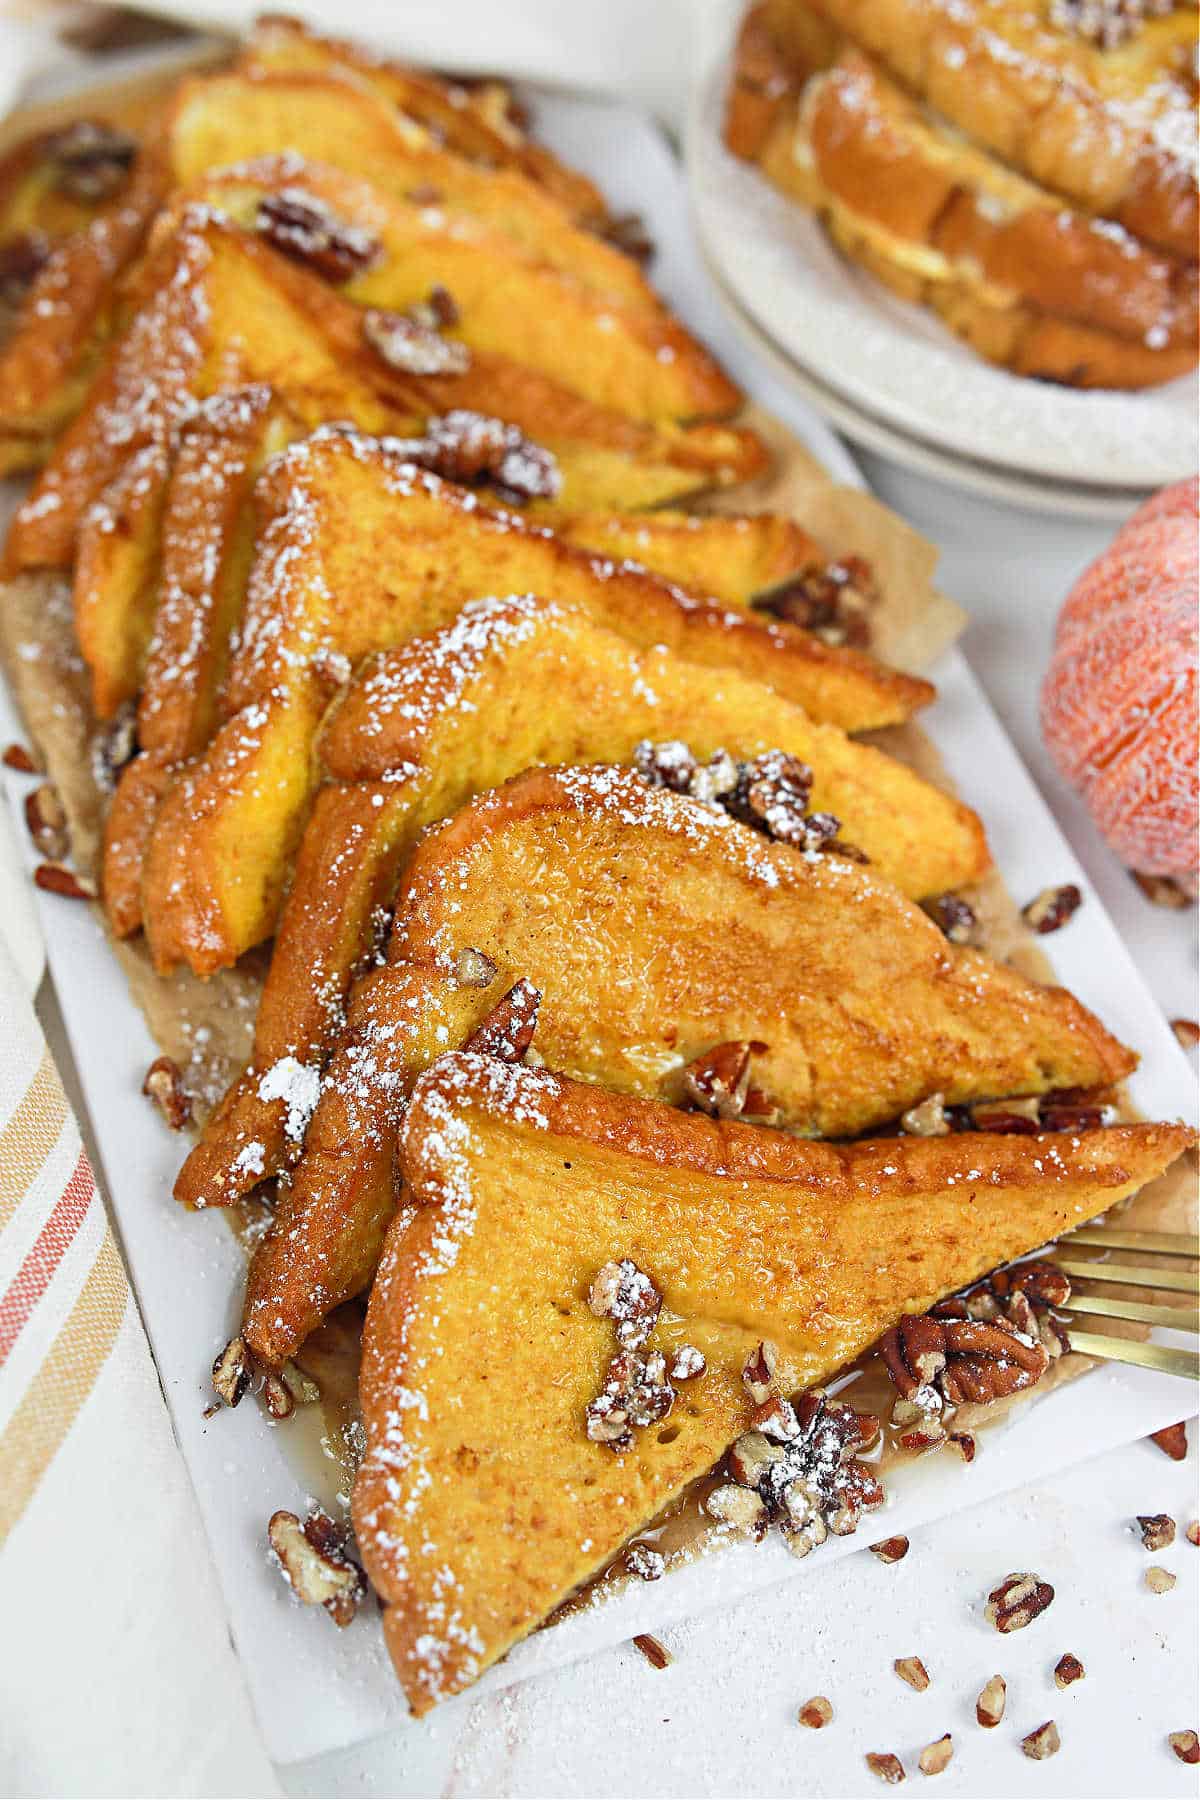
<point>722,1720</point>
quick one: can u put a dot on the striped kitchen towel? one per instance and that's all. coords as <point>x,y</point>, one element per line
<point>117,1675</point>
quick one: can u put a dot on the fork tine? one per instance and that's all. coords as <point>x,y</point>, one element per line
<point>1154,1243</point>
<point>1128,1350</point>
<point>1173,1281</point>
<point>1175,1318</point>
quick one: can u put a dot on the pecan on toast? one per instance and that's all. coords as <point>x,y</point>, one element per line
<point>207,548</point>
<point>654,929</point>
<point>641,364</point>
<point>403,748</point>
<point>334,117</point>
<point>322,595</point>
<point>1027,282</point>
<point>482,1503</point>
<point>1092,102</point>
<point>190,335</point>
<point>475,119</point>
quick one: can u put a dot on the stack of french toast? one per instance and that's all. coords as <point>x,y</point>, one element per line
<point>1024,168</point>
<point>615,1029</point>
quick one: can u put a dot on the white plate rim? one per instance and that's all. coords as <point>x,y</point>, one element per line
<point>886,357</point>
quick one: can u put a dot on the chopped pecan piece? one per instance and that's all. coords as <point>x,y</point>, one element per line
<point>468,447</point>
<point>809,1480</point>
<point>1106,23</point>
<point>936,1756</point>
<point>91,159</point>
<point>737,1506</point>
<point>1187,1031</point>
<point>1050,910</point>
<point>750,1456</point>
<point>668,765</point>
<point>1186,1745</point>
<point>645,1562</point>
<point>627,232</point>
<point>507,1031</point>
<point>989,1707</point>
<point>816,1713</point>
<point>1157,1529</point>
<point>655,1653</point>
<point>926,1439</point>
<point>46,822</point>
<point>718,1082</point>
<point>928,1119</point>
<point>314,1562</point>
<point>624,1293</point>
<point>889,1768</point>
<point>954,915</point>
<point>1159,1580</point>
<point>17,757</point>
<point>302,227</point>
<point>114,746</point>
<point>1042,1743</point>
<point>164,1085</point>
<point>1193,1532</point>
<point>22,258</point>
<point>231,1372</point>
<point>890,1550</point>
<point>1018,1601</point>
<point>834,602</point>
<point>1013,1118</point>
<point>1067,1669</point>
<point>912,1670</point>
<point>412,342</point>
<point>473,968</point>
<point>1163,890</point>
<point>687,1363</point>
<point>758,1373</point>
<point>56,878</point>
<point>1043,1282</point>
<point>1172,1440</point>
<point>964,1443</point>
<point>277,1396</point>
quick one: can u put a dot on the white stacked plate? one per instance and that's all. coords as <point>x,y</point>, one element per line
<point>891,377</point>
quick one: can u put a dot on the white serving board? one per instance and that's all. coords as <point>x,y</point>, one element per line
<point>316,1689</point>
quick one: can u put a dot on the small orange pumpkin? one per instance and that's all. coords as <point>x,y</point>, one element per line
<point>1119,703</point>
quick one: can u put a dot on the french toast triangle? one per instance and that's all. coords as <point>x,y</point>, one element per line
<point>323,594</point>
<point>477,120</point>
<point>402,748</point>
<point>334,117</point>
<point>482,1503</point>
<point>217,307</point>
<point>655,929</point>
<point>643,364</point>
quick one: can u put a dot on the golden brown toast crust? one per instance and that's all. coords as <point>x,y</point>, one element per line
<point>580,881</point>
<point>175,351</point>
<point>420,549</point>
<point>217,120</point>
<point>481,1353</point>
<point>402,748</point>
<point>1026,281</point>
<point>877,157</point>
<point>1113,130</point>
<point>476,120</point>
<point>644,365</point>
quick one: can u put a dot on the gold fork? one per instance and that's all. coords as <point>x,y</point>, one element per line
<point>1158,1275</point>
